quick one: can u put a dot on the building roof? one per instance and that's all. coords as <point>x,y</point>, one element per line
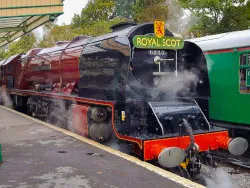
<point>18,17</point>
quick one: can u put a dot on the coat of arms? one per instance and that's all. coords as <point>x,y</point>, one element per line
<point>159,28</point>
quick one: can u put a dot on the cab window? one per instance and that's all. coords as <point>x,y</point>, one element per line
<point>244,73</point>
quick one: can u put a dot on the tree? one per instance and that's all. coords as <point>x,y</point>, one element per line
<point>141,10</point>
<point>150,10</point>
<point>102,10</point>
<point>57,33</point>
<point>21,46</point>
<point>218,16</point>
<point>97,17</point>
<point>100,27</point>
<point>124,8</point>
<point>2,54</point>
<point>95,11</point>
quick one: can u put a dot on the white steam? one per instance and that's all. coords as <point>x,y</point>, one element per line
<point>39,33</point>
<point>74,127</point>
<point>5,99</point>
<point>176,17</point>
<point>59,114</point>
<point>180,84</point>
<point>180,20</point>
<point>210,64</point>
<point>118,145</point>
<point>220,179</point>
<point>67,118</point>
<point>176,86</point>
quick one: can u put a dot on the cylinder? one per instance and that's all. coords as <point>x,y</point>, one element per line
<point>98,114</point>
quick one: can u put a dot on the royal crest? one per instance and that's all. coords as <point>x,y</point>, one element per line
<point>159,28</point>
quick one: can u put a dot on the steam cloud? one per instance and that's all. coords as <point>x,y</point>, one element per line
<point>210,64</point>
<point>64,120</point>
<point>60,115</point>
<point>118,145</point>
<point>180,20</point>
<point>219,179</point>
<point>180,85</point>
<point>5,99</point>
<point>165,87</point>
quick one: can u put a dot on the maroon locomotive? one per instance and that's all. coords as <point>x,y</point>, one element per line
<point>128,83</point>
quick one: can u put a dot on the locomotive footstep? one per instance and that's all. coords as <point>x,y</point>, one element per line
<point>171,157</point>
<point>238,146</point>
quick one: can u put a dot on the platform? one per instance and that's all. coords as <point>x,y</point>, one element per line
<point>37,154</point>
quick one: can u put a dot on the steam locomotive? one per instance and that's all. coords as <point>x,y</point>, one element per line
<point>148,91</point>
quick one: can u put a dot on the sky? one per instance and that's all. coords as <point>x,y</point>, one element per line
<point>70,8</point>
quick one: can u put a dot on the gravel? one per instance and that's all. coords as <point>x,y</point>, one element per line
<point>224,177</point>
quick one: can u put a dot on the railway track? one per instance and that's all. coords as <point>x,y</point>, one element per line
<point>242,162</point>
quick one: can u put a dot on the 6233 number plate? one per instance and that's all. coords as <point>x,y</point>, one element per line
<point>157,52</point>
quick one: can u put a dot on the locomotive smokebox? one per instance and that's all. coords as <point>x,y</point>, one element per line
<point>171,157</point>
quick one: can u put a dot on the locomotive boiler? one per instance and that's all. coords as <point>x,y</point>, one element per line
<point>149,91</point>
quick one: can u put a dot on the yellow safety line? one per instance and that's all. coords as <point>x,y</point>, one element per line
<point>182,181</point>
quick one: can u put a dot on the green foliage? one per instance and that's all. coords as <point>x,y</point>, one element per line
<point>67,32</point>
<point>57,33</point>
<point>100,27</point>
<point>150,10</point>
<point>124,8</point>
<point>218,16</point>
<point>95,11</point>
<point>2,54</point>
<point>101,11</point>
<point>99,15</point>
<point>21,46</point>
<point>152,13</point>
